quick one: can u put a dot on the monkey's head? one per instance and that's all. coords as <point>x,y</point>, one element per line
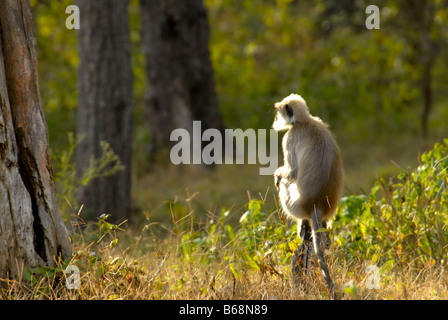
<point>290,111</point>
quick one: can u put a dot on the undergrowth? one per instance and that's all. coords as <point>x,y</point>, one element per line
<point>395,237</point>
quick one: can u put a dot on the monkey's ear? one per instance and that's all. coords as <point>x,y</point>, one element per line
<point>289,112</point>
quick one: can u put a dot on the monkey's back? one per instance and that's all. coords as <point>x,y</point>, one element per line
<point>319,170</point>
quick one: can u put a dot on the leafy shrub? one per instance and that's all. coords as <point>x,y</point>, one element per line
<point>257,243</point>
<point>68,182</point>
<point>404,222</point>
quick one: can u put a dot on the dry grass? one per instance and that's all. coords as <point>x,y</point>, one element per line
<point>161,274</point>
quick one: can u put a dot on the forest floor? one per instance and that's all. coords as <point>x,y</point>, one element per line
<point>116,274</point>
<point>187,240</point>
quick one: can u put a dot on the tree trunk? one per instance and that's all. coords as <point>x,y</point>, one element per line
<point>32,231</point>
<point>428,56</point>
<point>426,92</point>
<point>180,84</point>
<point>105,103</point>
<point>417,22</point>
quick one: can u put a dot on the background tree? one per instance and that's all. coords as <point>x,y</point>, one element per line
<point>32,232</point>
<point>419,26</point>
<point>363,82</point>
<point>179,73</point>
<point>105,103</point>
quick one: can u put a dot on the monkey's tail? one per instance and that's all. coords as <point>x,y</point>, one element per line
<point>318,241</point>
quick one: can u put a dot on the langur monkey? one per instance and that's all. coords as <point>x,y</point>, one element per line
<point>310,181</point>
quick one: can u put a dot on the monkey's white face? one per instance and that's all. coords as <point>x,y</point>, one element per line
<point>284,118</point>
<point>290,110</point>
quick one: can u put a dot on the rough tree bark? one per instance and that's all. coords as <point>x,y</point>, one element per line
<point>180,84</point>
<point>32,231</point>
<point>105,103</point>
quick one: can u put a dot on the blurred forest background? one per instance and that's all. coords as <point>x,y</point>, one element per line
<point>383,93</point>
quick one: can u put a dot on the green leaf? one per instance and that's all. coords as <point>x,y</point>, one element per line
<point>113,243</point>
<point>251,262</point>
<point>230,232</point>
<point>234,270</point>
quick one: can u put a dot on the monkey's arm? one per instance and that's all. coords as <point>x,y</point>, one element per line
<point>291,165</point>
<point>282,173</point>
<point>278,177</point>
<point>286,172</point>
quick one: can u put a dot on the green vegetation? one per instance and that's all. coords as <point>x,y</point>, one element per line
<point>220,234</point>
<point>365,83</point>
<point>67,181</point>
<point>399,226</point>
<point>402,223</point>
